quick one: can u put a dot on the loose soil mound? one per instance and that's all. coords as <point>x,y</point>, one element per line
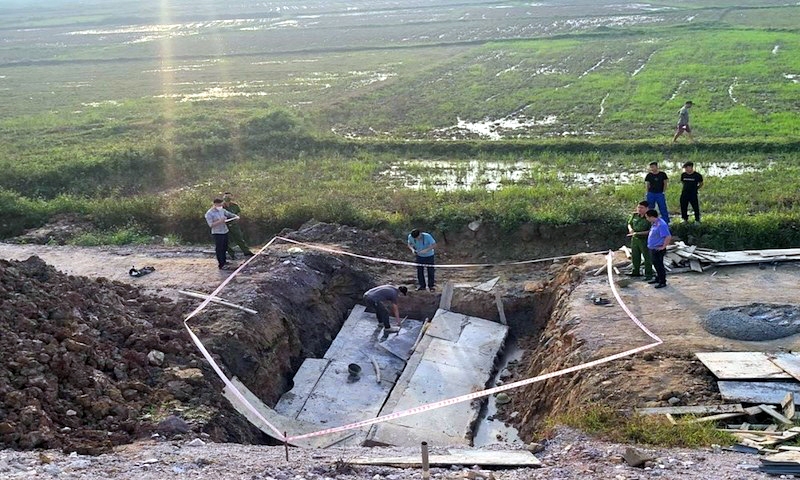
<point>92,363</point>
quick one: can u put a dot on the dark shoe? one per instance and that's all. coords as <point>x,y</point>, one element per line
<point>222,267</point>
<point>249,254</point>
<point>420,289</point>
<point>432,289</point>
<point>661,285</point>
<point>651,282</point>
<point>633,274</point>
<point>391,330</point>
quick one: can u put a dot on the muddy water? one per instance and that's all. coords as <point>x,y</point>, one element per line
<point>490,432</point>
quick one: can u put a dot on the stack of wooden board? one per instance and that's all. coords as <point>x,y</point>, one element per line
<point>684,258</point>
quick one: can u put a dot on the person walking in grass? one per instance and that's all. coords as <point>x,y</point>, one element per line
<point>683,123</point>
<point>217,218</point>
<point>657,241</point>
<point>422,246</point>
<point>638,230</point>
<point>235,234</point>
<point>692,181</point>
<point>656,183</point>
<point>385,293</point>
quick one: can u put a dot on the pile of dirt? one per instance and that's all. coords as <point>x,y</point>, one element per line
<point>92,363</point>
<point>59,230</point>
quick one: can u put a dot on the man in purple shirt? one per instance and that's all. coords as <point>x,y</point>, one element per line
<point>657,241</point>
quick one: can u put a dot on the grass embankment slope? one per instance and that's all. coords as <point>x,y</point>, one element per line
<point>139,154</point>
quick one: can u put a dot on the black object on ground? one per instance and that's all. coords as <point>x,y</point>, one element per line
<point>133,272</point>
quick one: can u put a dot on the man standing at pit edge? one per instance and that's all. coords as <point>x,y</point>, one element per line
<point>235,234</point>
<point>657,241</point>
<point>683,123</point>
<point>638,230</point>
<point>656,183</point>
<point>691,181</point>
<point>422,245</point>
<point>385,293</point>
<point>217,218</point>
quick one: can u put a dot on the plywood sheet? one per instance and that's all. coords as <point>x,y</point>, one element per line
<point>742,366</point>
<point>771,393</point>
<point>788,362</point>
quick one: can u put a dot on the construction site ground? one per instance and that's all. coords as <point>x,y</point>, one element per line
<point>593,331</point>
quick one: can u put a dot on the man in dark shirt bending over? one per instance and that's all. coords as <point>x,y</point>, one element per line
<point>385,293</point>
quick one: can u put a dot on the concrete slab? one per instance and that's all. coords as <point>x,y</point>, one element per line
<point>306,378</point>
<point>454,359</point>
<point>447,325</point>
<point>281,422</point>
<point>400,345</point>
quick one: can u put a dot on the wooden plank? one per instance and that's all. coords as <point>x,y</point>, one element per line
<point>741,366</point>
<point>696,410</point>
<point>787,406</point>
<point>217,300</point>
<point>500,310</point>
<point>671,419</point>
<point>695,265</point>
<point>771,393</point>
<point>499,458</point>
<point>600,270</point>
<point>714,418</point>
<point>788,362</point>
<point>774,414</point>
<point>488,285</point>
<point>447,296</point>
<point>753,411</point>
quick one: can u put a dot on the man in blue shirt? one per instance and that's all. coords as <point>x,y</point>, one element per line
<point>422,245</point>
<point>657,241</point>
<point>217,218</point>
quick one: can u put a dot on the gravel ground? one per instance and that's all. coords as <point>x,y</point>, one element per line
<point>755,322</point>
<point>568,455</point>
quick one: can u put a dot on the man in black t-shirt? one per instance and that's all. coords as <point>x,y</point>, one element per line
<point>656,182</point>
<point>692,181</point>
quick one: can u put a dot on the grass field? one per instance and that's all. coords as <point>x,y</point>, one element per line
<point>387,115</point>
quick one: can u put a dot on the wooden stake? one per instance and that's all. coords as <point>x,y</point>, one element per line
<point>426,474</point>
<point>286,445</point>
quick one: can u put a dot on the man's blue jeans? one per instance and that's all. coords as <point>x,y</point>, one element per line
<point>659,199</point>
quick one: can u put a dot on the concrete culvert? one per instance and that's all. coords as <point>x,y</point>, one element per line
<point>753,322</point>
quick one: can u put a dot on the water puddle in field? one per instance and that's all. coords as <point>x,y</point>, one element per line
<point>445,176</point>
<point>494,129</point>
<point>449,176</point>
<point>717,170</point>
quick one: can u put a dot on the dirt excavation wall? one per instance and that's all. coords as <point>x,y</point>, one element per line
<point>555,348</point>
<point>302,300</point>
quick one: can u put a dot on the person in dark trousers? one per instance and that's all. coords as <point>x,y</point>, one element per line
<point>656,183</point>
<point>683,123</point>
<point>422,245</point>
<point>692,181</point>
<point>638,230</point>
<point>657,241</point>
<point>385,293</point>
<point>235,234</point>
<point>217,218</point>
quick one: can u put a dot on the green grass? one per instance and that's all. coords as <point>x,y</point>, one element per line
<point>653,430</point>
<point>105,129</point>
